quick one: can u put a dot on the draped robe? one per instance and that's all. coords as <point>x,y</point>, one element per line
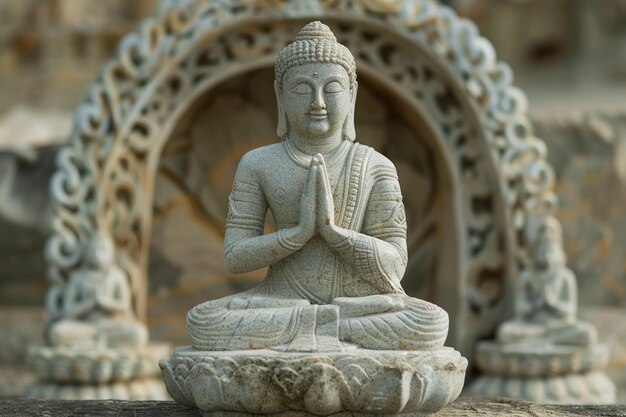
<point>298,304</point>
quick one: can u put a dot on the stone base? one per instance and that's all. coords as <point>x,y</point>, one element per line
<point>543,374</point>
<point>151,389</point>
<point>95,365</point>
<point>536,361</point>
<point>281,383</point>
<point>97,373</point>
<point>591,388</point>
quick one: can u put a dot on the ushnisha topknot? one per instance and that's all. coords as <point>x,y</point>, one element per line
<point>315,43</point>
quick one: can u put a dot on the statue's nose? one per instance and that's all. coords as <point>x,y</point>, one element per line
<point>318,101</point>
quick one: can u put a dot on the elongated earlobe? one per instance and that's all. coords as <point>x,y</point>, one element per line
<point>282,129</point>
<point>349,131</point>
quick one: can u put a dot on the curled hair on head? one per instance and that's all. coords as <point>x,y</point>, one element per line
<point>315,43</point>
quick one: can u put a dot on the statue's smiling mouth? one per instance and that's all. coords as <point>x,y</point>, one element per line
<point>318,115</point>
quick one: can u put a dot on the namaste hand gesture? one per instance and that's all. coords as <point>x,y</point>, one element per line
<point>317,207</point>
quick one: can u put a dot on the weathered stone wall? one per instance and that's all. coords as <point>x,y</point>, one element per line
<point>50,50</point>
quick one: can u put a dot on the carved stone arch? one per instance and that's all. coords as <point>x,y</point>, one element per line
<point>174,58</point>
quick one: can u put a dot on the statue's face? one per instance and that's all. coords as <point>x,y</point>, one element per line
<point>549,254</point>
<point>316,99</point>
<point>100,252</point>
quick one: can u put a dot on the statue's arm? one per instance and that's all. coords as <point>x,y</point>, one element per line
<point>115,295</point>
<point>378,253</point>
<point>525,301</point>
<point>75,303</point>
<point>246,248</point>
<point>565,294</point>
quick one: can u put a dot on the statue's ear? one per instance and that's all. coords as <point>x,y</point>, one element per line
<point>349,131</point>
<point>281,131</point>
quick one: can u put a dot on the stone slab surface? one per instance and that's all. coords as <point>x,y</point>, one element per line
<point>461,408</point>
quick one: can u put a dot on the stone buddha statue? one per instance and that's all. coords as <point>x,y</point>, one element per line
<point>544,353</point>
<point>330,329</point>
<point>337,259</point>
<point>97,307</point>
<point>546,298</point>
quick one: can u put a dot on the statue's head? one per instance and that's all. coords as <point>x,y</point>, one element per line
<point>548,244</point>
<point>316,85</point>
<point>100,251</point>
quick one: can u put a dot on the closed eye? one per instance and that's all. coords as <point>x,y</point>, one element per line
<point>302,88</point>
<point>334,87</point>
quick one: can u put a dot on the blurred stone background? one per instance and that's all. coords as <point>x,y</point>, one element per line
<point>569,56</point>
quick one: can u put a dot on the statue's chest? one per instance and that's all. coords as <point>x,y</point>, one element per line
<point>284,185</point>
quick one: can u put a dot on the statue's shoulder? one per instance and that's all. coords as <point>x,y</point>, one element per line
<point>259,159</point>
<point>379,164</point>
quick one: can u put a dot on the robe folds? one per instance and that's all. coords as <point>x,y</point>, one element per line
<point>300,301</point>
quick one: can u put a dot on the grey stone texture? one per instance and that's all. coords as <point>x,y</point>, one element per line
<point>330,328</point>
<point>195,178</point>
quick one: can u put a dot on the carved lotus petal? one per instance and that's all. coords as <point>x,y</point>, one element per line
<point>174,384</point>
<point>103,368</point>
<point>356,379</point>
<point>251,390</point>
<point>182,371</point>
<point>225,366</point>
<point>287,379</point>
<point>125,367</point>
<point>206,387</point>
<point>324,394</point>
<point>420,385</point>
<point>393,392</point>
<point>402,382</point>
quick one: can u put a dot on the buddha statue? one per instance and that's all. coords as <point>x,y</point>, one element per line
<point>546,298</point>
<point>339,253</point>
<point>544,353</point>
<point>97,307</point>
<point>330,329</point>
